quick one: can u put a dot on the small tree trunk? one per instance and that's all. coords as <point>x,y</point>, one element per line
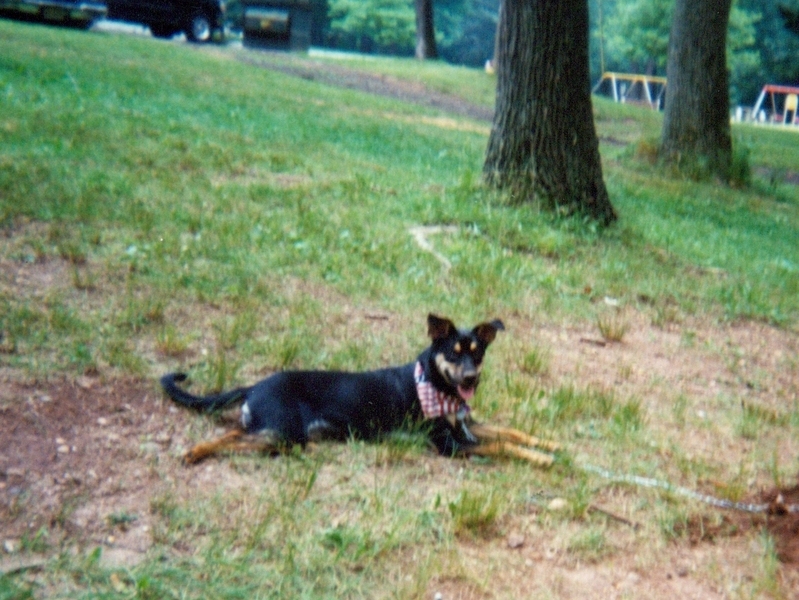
<point>791,18</point>
<point>696,122</point>
<point>543,142</point>
<point>425,30</point>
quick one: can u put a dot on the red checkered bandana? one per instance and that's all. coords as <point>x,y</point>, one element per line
<point>435,403</point>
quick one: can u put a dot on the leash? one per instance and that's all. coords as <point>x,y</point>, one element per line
<point>778,506</point>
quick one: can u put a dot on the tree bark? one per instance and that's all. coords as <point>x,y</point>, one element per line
<point>696,122</point>
<point>791,18</point>
<point>543,144</point>
<point>425,30</point>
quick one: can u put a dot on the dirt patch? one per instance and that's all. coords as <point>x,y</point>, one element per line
<point>784,525</point>
<point>781,520</point>
<point>696,381</point>
<point>79,460</point>
<point>380,85</point>
<point>778,176</point>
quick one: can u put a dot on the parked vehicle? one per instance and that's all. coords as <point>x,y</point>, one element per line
<point>75,13</point>
<point>198,19</point>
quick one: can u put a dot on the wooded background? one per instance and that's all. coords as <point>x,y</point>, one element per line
<point>625,35</point>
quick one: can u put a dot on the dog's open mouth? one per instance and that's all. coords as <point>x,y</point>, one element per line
<point>466,393</point>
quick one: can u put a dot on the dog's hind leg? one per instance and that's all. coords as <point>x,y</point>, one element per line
<point>234,441</point>
<point>203,450</point>
<point>500,448</point>
<point>492,433</point>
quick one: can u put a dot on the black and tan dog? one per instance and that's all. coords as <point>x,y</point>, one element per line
<point>296,407</point>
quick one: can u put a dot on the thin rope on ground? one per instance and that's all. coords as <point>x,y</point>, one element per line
<point>420,237</point>
<point>776,507</point>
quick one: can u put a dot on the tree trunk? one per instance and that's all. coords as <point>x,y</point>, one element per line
<point>696,122</point>
<point>425,30</point>
<point>543,144</point>
<point>791,18</point>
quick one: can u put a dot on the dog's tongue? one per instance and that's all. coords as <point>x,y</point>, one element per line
<point>465,393</point>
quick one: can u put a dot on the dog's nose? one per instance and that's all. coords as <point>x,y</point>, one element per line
<point>470,381</point>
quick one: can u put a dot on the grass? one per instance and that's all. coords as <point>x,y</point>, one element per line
<point>181,208</point>
<point>469,84</point>
<point>612,325</point>
<point>474,513</point>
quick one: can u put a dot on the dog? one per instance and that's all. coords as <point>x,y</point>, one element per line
<point>293,408</point>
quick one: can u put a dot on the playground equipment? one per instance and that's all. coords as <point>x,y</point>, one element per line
<point>776,104</point>
<point>628,88</point>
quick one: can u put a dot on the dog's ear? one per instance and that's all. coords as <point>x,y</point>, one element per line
<point>486,332</point>
<point>439,328</point>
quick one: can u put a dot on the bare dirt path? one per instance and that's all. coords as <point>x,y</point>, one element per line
<point>378,84</point>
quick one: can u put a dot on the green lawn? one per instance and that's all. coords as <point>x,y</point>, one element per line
<point>199,207</point>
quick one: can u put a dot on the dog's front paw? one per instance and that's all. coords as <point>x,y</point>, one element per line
<point>467,433</point>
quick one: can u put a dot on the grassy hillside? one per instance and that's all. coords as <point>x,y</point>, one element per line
<point>208,179</point>
<point>164,206</point>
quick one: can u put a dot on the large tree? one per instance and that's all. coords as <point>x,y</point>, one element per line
<point>696,123</point>
<point>543,143</point>
<point>425,30</point>
<point>636,40</point>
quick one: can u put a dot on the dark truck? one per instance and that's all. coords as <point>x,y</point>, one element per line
<point>74,13</point>
<point>198,19</point>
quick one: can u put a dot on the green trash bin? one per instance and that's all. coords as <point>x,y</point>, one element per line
<point>277,24</point>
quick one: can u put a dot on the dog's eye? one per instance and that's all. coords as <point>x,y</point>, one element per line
<point>473,346</point>
<point>457,348</point>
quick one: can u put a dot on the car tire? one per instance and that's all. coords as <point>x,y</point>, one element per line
<point>199,29</point>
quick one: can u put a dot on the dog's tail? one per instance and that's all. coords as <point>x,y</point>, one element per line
<point>199,403</point>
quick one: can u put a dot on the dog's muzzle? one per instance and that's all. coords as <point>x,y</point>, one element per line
<point>463,377</point>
